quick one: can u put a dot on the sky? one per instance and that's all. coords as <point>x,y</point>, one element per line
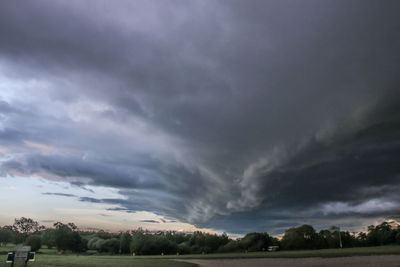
<point>226,116</point>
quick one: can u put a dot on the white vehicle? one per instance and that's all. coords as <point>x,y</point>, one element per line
<point>273,248</point>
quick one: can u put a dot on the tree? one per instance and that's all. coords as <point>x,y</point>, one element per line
<point>76,242</point>
<point>361,239</point>
<point>302,237</point>
<point>231,246</point>
<point>381,234</point>
<point>327,239</point>
<point>125,243</point>
<point>66,238</point>
<point>62,236</point>
<point>104,235</point>
<point>256,241</point>
<point>6,235</point>
<point>93,243</point>
<point>34,241</point>
<point>110,245</point>
<point>398,238</point>
<point>147,244</point>
<point>184,248</point>
<point>26,226</point>
<point>48,238</point>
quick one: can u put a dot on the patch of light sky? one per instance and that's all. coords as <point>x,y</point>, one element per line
<point>25,194</point>
<point>25,198</point>
<point>11,88</point>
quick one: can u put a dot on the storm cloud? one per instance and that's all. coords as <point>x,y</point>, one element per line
<point>233,115</point>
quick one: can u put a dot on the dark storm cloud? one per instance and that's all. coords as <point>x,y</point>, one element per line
<point>150,221</point>
<point>9,135</point>
<point>240,115</point>
<point>58,194</point>
<point>121,209</point>
<point>104,200</point>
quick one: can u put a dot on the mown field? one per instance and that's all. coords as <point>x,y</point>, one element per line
<point>74,260</point>
<point>49,257</point>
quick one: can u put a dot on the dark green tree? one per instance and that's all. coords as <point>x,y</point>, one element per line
<point>6,235</point>
<point>95,243</point>
<point>111,245</point>
<point>327,239</point>
<point>76,244</point>
<point>48,238</point>
<point>302,237</point>
<point>34,241</point>
<point>381,234</point>
<point>104,235</point>
<point>231,246</point>
<point>125,243</point>
<point>398,238</point>
<point>256,242</point>
<point>66,238</point>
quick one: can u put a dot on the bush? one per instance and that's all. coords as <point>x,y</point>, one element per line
<point>34,241</point>
<point>110,245</point>
<point>184,248</point>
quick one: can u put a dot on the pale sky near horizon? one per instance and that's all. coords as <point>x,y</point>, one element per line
<point>28,197</point>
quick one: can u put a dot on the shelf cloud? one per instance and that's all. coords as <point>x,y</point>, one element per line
<point>238,116</point>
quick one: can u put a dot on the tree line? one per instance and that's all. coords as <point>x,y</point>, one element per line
<point>67,237</point>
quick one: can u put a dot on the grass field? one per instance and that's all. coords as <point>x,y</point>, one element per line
<point>328,253</point>
<point>49,257</point>
<point>123,261</point>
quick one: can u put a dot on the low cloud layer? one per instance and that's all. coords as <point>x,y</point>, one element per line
<point>238,116</point>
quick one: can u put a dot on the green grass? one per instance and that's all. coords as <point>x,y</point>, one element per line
<point>5,249</point>
<point>43,260</point>
<point>49,257</point>
<point>324,253</point>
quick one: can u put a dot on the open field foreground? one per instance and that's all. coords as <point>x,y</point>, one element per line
<point>382,260</point>
<point>323,253</point>
<point>106,261</point>
<point>367,256</point>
